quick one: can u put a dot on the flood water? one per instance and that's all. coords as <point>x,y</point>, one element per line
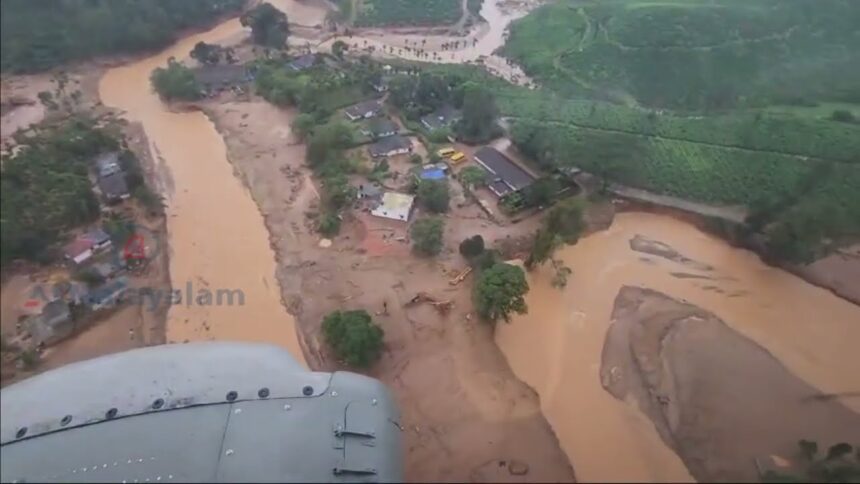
<point>217,239</point>
<point>556,348</point>
<point>479,45</point>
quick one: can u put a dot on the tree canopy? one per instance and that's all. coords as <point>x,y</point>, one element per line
<point>426,235</point>
<point>353,336</point>
<point>499,292</point>
<point>175,82</point>
<point>434,195</point>
<point>479,114</point>
<point>472,247</point>
<point>269,26</point>
<point>46,189</point>
<point>563,224</point>
<point>35,36</point>
<point>206,53</point>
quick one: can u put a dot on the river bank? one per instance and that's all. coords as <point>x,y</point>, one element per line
<point>701,384</point>
<point>789,318</point>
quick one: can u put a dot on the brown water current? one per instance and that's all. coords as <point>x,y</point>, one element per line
<point>556,348</point>
<point>217,237</point>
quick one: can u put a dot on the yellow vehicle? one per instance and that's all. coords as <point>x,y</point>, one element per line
<point>458,157</point>
<point>445,151</point>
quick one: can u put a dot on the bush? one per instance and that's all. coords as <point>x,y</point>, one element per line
<point>175,82</point>
<point>329,224</point>
<point>433,195</point>
<point>843,116</point>
<point>415,159</point>
<point>486,259</point>
<point>473,176</point>
<point>440,135</point>
<point>426,235</point>
<point>500,291</point>
<point>353,336</point>
<point>472,247</point>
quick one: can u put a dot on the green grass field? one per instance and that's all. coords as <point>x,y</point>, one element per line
<point>379,13</point>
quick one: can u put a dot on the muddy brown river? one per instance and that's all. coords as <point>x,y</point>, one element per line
<point>556,348</point>
<point>217,240</point>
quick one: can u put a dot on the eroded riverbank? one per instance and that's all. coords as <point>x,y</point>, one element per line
<point>557,347</point>
<point>217,237</point>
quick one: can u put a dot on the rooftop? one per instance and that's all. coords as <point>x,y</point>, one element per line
<point>114,186</point>
<point>441,118</point>
<point>302,62</point>
<point>108,164</point>
<point>502,169</point>
<point>221,74</point>
<point>396,206</point>
<point>77,247</point>
<point>361,109</point>
<point>389,144</point>
<point>380,126</point>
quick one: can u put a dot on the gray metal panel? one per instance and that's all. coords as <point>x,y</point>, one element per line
<point>302,428</point>
<point>179,446</point>
<point>180,375</point>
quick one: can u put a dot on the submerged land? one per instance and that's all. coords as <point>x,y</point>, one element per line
<point>670,343</point>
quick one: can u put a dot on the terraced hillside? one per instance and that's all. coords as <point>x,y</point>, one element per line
<point>694,54</point>
<point>753,103</point>
<point>388,13</point>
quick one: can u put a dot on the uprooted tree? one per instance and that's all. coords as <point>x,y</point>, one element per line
<point>353,336</point>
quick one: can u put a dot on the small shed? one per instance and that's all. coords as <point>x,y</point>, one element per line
<point>395,206</point>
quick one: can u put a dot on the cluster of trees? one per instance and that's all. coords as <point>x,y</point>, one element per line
<point>418,95</point>
<point>46,189</point>
<point>175,82</point>
<point>480,114</point>
<point>354,337</point>
<point>500,288</point>
<point>325,154</point>
<point>564,224</point>
<point>427,235</point>
<point>434,195</point>
<point>35,36</point>
<point>212,53</point>
<point>269,26</point>
<point>317,91</point>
